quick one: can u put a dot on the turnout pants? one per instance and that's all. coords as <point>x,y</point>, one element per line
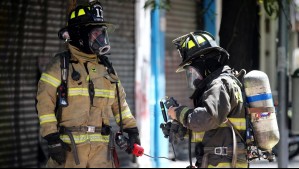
<point>91,155</point>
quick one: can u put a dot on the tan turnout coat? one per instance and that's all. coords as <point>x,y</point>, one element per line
<point>80,112</point>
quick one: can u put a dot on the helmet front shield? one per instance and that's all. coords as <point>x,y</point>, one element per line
<point>191,75</point>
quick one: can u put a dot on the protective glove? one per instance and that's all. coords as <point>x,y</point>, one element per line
<point>177,131</point>
<point>57,148</point>
<point>133,134</point>
<point>166,128</point>
<point>182,131</point>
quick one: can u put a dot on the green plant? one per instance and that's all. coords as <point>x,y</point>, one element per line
<point>273,7</point>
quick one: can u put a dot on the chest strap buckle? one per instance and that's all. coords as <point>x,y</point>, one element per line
<point>221,151</point>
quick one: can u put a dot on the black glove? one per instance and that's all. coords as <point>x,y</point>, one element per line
<point>133,134</point>
<point>57,148</point>
<point>166,128</point>
<point>182,131</point>
<point>177,131</point>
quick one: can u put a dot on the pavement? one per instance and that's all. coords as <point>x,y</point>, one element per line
<point>294,163</point>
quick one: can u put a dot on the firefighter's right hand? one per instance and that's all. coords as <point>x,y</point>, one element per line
<point>166,128</point>
<point>176,131</point>
<point>57,148</point>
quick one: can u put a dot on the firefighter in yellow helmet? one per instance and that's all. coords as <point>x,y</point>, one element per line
<point>217,120</point>
<point>79,92</point>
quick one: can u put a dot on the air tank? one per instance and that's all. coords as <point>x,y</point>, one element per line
<point>261,109</point>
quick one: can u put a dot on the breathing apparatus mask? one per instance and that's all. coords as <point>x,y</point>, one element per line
<point>99,41</point>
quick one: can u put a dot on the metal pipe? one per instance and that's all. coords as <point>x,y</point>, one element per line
<point>160,147</point>
<point>283,158</point>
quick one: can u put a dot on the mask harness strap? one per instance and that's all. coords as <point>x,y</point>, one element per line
<point>189,148</point>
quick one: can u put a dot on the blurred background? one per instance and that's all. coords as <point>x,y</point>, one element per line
<point>258,34</point>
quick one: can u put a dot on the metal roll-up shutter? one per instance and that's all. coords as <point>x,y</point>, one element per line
<point>122,41</point>
<point>28,40</point>
<point>180,20</point>
<point>27,32</point>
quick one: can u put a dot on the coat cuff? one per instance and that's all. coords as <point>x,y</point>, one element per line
<point>49,129</point>
<point>182,113</point>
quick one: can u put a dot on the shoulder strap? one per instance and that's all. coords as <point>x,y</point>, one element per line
<point>238,78</point>
<point>105,61</point>
<point>64,64</point>
<point>62,88</point>
<point>230,124</point>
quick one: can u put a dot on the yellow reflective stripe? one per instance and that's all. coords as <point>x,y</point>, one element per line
<point>125,115</point>
<point>50,79</point>
<point>201,39</point>
<point>78,92</point>
<point>191,44</point>
<point>73,15</point>
<point>85,137</point>
<point>104,93</point>
<point>228,165</point>
<point>239,123</point>
<point>238,94</point>
<point>81,12</point>
<point>47,119</point>
<point>84,92</point>
<point>87,78</point>
<point>182,114</point>
<point>98,138</point>
<point>197,137</point>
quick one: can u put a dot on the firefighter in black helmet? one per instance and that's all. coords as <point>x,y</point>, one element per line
<point>218,112</point>
<point>80,134</point>
<point>82,22</point>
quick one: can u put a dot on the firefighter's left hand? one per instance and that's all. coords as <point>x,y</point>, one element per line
<point>133,139</point>
<point>172,114</point>
<point>133,134</point>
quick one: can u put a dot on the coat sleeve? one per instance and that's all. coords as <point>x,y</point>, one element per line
<point>128,119</point>
<point>216,107</point>
<point>46,97</point>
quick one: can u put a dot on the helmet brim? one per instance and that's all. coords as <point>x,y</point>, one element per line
<point>110,27</point>
<point>195,56</point>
